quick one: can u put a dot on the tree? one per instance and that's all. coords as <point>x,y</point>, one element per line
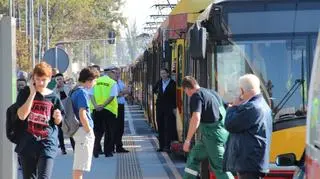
<point>74,20</point>
<point>136,43</point>
<point>23,55</point>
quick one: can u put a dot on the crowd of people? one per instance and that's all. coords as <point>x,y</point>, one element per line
<point>235,137</point>
<point>98,100</point>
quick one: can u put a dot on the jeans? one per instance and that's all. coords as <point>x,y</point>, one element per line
<point>35,167</point>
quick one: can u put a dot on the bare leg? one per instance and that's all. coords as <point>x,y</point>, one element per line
<point>77,174</point>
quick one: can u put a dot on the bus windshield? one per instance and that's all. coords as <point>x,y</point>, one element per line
<point>280,65</point>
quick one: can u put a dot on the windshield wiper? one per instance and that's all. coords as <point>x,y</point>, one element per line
<point>284,100</point>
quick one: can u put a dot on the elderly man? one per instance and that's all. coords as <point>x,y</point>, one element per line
<point>249,123</point>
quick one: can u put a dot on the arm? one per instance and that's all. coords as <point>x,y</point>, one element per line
<point>155,88</point>
<point>196,109</point>
<point>124,90</point>
<point>240,118</point>
<point>193,125</point>
<point>113,94</point>
<point>59,110</point>
<point>108,101</point>
<point>84,120</point>
<point>93,100</point>
<point>25,108</point>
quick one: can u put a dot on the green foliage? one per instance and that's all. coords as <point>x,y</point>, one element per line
<point>71,20</point>
<point>23,55</point>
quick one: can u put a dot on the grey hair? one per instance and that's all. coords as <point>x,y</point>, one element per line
<point>250,82</point>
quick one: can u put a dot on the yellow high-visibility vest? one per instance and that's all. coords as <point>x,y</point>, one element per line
<point>101,92</point>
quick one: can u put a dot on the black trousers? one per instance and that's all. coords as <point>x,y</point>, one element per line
<point>120,127</point>
<point>167,129</point>
<point>36,167</point>
<point>250,175</point>
<point>104,123</point>
<point>61,139</point>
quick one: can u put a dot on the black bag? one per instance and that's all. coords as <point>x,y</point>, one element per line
<point>14,126</point>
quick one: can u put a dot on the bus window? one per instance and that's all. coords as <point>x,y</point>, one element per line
<point>230,66</point>
<point>281,66</point>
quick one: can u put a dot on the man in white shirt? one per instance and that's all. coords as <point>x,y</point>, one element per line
<point>122,91</point>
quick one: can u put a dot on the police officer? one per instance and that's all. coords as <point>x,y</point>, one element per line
<point>122,91</point>
<point>207,113</point>
<point>104,102</point>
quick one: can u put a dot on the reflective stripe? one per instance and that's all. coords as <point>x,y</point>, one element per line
<point>192,172</point>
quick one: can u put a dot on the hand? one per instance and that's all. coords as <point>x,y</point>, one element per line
<point>186,146</point>
<point>237,101</point>
<point>87,130</point>
<point>32,87</point>
<point>57,116</point>
<point>175,112</point>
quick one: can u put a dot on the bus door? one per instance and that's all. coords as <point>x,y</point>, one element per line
<point>312,159</point>
<point>180,54</point>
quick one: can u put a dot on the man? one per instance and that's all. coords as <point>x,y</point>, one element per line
<point>105,111</point>
<point>249,122</point>
<point>62,92</point>
<point>21,84</point>
<point>84,137</point>
<point>207,113</point>
<point>53,82</point>
<point>165,89</point>
<point>122,91</point>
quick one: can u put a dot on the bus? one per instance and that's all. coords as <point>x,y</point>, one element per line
<point>273,39</point>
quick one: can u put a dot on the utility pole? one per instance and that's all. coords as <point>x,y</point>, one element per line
<point>10,8</point>
<point>32,35</point>
<point>40,33</point>
<point>47,22</point>
<point>27,23</point>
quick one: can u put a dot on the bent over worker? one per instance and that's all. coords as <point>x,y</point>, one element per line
<point>207,113</point>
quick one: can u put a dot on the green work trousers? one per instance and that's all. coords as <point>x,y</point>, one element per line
<point>211,146</point>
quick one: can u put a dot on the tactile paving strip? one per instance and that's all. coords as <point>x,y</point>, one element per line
<point>128,164</point>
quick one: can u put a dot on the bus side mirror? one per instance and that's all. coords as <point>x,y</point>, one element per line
<point>198,42</point>
<point>286,159</point>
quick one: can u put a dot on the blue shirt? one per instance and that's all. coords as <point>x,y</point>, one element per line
<point>80,99</point>
<point>165,84</point>
<point>121,86</point>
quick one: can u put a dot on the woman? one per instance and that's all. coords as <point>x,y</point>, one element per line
<point>40,109</point>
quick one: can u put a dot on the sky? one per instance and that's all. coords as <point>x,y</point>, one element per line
<point>139,11</point>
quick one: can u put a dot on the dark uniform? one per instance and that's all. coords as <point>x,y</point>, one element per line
<point>166,120</point>
<point>213,134</point>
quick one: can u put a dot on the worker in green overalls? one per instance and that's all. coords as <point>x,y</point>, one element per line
<point>207,113</point>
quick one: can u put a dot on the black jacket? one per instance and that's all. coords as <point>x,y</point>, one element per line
<point>166,99</point>
<point>250,127</point>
